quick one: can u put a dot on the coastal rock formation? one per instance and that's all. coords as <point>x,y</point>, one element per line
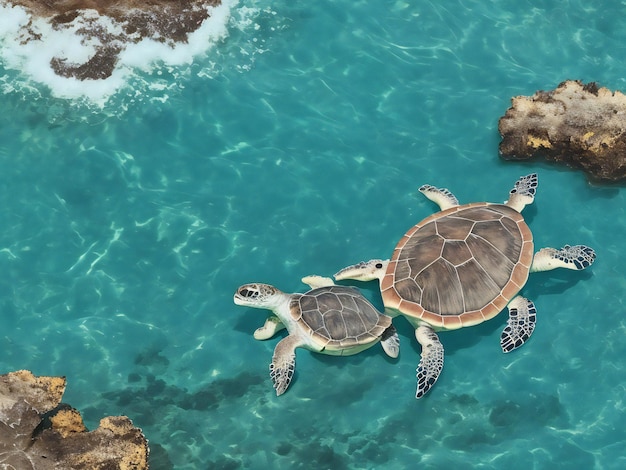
<point>38,432</point>
<point>108,25</point>
<point>583,126</point>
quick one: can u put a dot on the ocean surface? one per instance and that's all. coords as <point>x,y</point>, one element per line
<point>288,140</point>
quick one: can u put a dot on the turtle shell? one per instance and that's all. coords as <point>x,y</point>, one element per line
<point>339,317</point>
<point>459,267</point>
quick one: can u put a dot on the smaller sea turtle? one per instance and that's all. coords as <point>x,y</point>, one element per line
<point>329,319</point>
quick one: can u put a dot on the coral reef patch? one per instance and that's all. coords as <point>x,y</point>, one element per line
<point>39,432</point>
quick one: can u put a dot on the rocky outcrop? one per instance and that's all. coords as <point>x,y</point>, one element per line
<point>583,126</point>
<point>38,432</point>
<point>127,21</point>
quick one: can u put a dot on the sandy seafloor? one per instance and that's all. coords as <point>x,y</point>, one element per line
<point>293,142</point>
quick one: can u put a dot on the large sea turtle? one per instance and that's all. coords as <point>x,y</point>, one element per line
<point>462,266</point>
<point>329,319</point>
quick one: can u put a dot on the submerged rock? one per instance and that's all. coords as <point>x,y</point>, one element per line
<point>38,432</point>
<point>108,25</point>
<point>583,126</point>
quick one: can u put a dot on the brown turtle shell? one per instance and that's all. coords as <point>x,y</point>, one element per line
<point>461,266</point>
<point>339,317</point>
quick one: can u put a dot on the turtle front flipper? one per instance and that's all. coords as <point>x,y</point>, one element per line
<point>271,326</point>
<point>314,281</point>
<point>440,196</point>
<point>390,342</point>
<point>523,193</point>
<point>520,325</point>
<point>284,363</point>
<point>431,361</point>
<point>575,257</point>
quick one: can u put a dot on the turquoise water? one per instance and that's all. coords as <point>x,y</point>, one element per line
<point>295,145</point>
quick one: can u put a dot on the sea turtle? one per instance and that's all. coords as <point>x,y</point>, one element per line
<point>329,319</point>
<point>462,266</point>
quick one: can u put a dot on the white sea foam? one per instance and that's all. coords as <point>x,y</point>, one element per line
<point>27,46</point>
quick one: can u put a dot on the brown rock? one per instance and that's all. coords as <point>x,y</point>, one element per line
<point>168,21</point>
<point>583,126</point>
<point>38,432</point>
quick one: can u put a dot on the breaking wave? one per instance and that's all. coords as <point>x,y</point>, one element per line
<point>89,56</point>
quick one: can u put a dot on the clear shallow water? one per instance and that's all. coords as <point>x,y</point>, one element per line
<point>296,146</point>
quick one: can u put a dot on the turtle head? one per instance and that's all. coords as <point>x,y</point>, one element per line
<point>364,271</point>
<point>256,295</point>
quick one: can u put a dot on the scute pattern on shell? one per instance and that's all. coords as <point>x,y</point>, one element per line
<point>339,316</point>
<point>460,266</point>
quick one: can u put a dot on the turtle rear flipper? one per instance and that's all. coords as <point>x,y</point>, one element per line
<point>575,257</point>
<point>391,342</point>
<point>523,193</point>
<point>431,362</point>
<point>520,325</point>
